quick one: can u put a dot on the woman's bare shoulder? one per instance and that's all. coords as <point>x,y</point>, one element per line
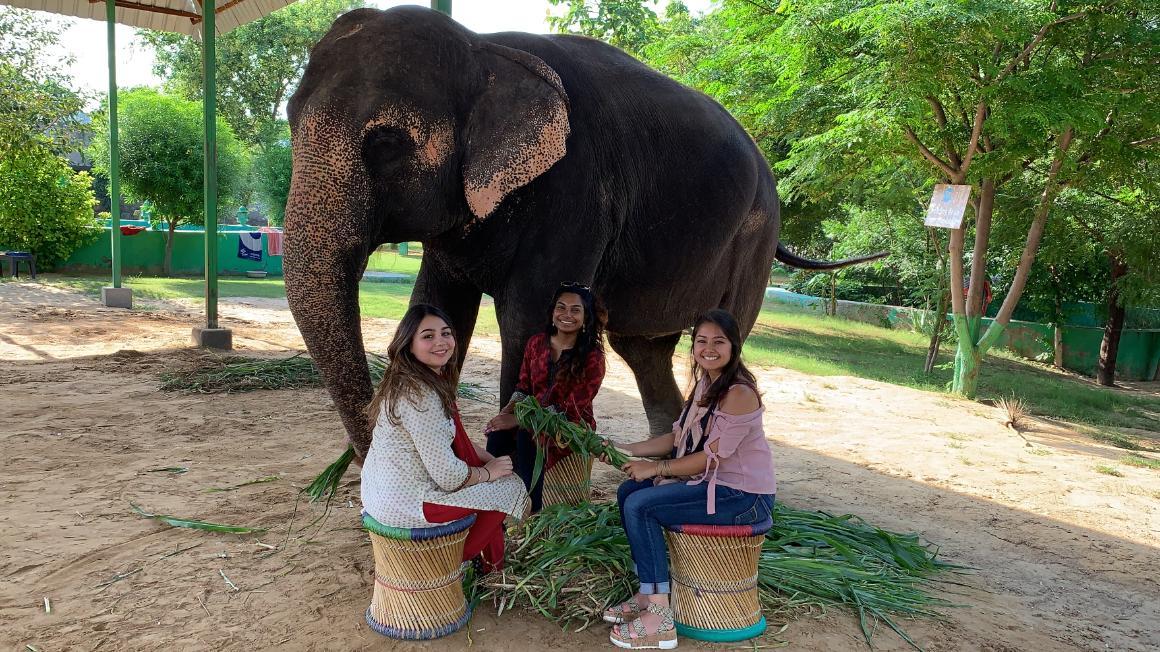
<point>740,399</point>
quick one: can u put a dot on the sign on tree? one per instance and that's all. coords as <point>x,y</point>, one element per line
<point>947,206</point>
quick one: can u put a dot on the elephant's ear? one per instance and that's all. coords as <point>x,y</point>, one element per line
<point>517,128</point>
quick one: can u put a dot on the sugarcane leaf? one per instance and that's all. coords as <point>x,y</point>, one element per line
<point>197,525</point>
<point>176,470</point>
<point>326,484</point>
<point>538,467</point>
<point>263,480</point>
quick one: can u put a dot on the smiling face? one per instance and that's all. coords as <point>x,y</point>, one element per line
<point>711,348</point>
<point>433,344</point>
<point>568,313</point>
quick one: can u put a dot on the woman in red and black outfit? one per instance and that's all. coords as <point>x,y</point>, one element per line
<point>563,368</point>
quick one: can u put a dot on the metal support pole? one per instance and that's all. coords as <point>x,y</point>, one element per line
<point>209,100</point>
<point>442,6</point>
<point>114,148</point>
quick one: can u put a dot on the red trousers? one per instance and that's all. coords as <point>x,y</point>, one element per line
<point>484,537</point>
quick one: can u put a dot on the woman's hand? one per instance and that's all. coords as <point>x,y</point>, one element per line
<point>484,456</point>
<point>608,443</point>
<point>501,421</point>
<point>640,469</point>
<point>498,467</point>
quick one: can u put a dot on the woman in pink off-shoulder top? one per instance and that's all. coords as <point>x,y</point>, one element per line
<point>718,471</point>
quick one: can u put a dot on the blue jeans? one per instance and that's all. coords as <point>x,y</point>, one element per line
<point>646,509</point>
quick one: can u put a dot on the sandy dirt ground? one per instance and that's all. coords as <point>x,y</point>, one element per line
<point>1067,557</point>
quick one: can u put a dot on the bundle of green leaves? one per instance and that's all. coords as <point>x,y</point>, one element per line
<point>578,437</point>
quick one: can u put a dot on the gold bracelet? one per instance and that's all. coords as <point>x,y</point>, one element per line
<point>663,468</point>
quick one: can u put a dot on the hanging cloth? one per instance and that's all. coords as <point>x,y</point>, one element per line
<point>273,240</point>
<point>250,246</point>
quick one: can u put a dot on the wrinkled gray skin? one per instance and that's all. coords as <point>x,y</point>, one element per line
<point>519,161</point>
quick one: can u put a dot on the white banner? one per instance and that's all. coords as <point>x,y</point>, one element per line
<point>947,206</point>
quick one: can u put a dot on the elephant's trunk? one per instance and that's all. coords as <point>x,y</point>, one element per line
<point>327,244</point>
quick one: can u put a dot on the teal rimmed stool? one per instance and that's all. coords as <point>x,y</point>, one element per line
<point>418,592</point>
<point>713,570</point>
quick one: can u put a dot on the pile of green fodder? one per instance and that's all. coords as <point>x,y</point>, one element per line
<point>570,563</point>
<point>578,437</point>
<point>238,374</point>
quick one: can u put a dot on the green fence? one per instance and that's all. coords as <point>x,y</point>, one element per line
<point>1138,358</point>
<point>144,253</point>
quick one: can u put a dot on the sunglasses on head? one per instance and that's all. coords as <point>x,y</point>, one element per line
<point>572,285</point>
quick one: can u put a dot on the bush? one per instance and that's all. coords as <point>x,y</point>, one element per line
<point>45,207</point>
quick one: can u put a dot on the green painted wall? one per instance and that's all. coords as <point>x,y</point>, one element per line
<point>1138,358</point>
<point>144,253</point>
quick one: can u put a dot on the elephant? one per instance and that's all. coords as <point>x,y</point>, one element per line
<point>519,161</point>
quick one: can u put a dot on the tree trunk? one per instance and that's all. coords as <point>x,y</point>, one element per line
<point>1057,346</point>
<point>167,263</point>
<point>833,294</point>
<point>942,304</point>
<point>986,207</point>
<point>1110,346</point>
<point>939,322</point>
<point>1057,319</point>
<point>968,355</point>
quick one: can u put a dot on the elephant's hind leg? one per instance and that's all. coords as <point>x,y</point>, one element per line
<point>651,361</point>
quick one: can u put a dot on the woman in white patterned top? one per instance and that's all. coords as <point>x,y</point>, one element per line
<point>421,469</point>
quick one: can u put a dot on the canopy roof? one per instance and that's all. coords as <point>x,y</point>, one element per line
<point>181,16</point>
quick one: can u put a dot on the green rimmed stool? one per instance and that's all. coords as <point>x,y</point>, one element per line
<point>418,591</point>
<point>713,570</point>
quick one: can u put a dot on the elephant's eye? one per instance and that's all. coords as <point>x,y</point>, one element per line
<point>385,148</point>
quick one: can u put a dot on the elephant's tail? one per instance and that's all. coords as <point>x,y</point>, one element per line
<point>793,260</point>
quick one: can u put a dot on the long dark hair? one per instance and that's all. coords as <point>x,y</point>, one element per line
<point>406,377</point>
<point>735,370</point>
<point>591,336</point>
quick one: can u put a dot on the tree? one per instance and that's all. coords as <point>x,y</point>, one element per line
<point>272,167</point>
<point>45,207</point>
<point>258,64</point>
<point>627,24</point>
<point>981,92</point>
<point>162,158</point>
<point>1125,231</point>
<point>1068,268</point>
<point>37,106</point>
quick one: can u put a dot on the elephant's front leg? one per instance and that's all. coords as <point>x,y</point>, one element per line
<point>517,323</point>
<point>651,361</point>
<point>459,300</point>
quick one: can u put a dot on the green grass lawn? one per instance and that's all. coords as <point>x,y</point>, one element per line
<point>807,343</point>
<point>390,261</point>
<point>836,347</point>
<point>387,300</point>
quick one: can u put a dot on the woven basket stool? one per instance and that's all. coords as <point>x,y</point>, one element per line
<point>418,592</point>
<point>714,576</point>
<point>569,481</point>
